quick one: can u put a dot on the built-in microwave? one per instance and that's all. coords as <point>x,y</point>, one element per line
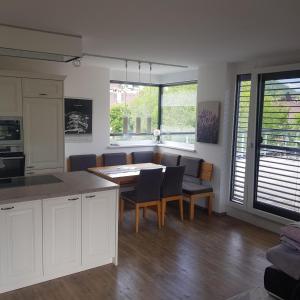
<point>10,130</point>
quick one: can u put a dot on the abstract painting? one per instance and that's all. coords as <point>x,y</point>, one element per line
<point>208,122</point>
<point>78,116</point>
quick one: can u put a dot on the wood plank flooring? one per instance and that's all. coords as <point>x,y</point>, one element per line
<point>207,259</point>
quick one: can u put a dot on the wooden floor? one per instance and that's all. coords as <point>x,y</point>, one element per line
<point>210,258</point>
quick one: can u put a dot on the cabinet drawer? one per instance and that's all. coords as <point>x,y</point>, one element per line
<point>31,171</point>
<point>42,88</point>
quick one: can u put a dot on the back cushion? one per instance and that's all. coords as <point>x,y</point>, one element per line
<point>82,162</point>
<point>114,159</point>
<point>142,157</point>
<point>192,165</point>
<point>170,160</point>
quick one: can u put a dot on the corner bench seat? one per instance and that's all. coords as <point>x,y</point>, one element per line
<point>191,188</point>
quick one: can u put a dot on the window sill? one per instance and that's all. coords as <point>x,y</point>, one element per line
<point>130,146</point>
<point>183,148</point>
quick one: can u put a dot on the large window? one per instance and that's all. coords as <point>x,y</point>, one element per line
<point>133,112</point>
<point>137,109</point>
<point>179,113</point>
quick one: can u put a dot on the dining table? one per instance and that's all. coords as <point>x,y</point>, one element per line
<point>124,174</point>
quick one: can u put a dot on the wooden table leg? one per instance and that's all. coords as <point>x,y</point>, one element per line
<point>137,218</point>
<point>163,212</point>
<point>181,208</point>
<point>210,203</point>
<point>159,214</point>
<point>192,209</point>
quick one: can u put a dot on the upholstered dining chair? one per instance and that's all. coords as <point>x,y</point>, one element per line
<point>146,194</point>
<point>171,189</point>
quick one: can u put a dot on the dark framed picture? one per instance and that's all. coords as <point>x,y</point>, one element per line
<point>78,116</point>
<point>208,122</point>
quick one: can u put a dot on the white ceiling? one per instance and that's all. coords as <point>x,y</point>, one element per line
<point>188,32</point>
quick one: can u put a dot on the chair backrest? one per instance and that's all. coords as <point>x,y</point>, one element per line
<point>170,160</point>
<point>114,159</point>
<point>192,165</point>
<point>82,162</point>
<point>142,157</point>
<point>172,181</point>
<point>148,185</point>
<point>206,172</point>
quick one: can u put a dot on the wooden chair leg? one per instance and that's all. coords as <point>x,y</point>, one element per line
<point>121,210</point>
<point>209,203</point>
<point>145,212</point>
<point>163,212</point>
<point>137,218</point>
<point>181,208</point>
<point>159,214</point>
<point>192,209</point>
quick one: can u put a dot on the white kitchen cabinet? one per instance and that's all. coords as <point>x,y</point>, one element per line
<point>21,244</point>
<point>99,227</point>
<point>62,235</point>
<point>42,88</point>
<point>10,96</point>
<point>43,133</point>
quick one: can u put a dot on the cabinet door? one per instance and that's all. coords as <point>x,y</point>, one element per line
<point>98,227</point>
<point>21,244</point>
<point>43,133</point>
<point>10,96</point>
<point>62,235</point>
<point>42,88</point>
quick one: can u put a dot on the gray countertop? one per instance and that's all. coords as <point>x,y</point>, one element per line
<point>72,183</point>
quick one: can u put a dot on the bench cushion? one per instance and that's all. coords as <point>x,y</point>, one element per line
<point>114,159</point>
<point>192,165</point>
<point>82,162</point>
<point>142,157</point>
<point>170,160</point>
<point>192,188</point>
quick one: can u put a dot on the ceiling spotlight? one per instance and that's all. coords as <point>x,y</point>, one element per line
<point>76,62</point>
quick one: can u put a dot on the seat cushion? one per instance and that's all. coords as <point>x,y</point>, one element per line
<point>192,165</point>
<point>142,157</point>
<point>170,160</point>
<point>82,162</point>
<point>192,188</point>
<point>114,159</point>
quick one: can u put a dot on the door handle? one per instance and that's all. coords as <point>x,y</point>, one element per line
<point>90,196</point>
<point>7,208</point>
<point>43,94</point>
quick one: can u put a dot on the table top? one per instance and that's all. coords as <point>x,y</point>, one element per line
<point>116,173</point>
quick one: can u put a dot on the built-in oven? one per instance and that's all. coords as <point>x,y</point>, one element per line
<point>12,161</point>
<point>10,130</point>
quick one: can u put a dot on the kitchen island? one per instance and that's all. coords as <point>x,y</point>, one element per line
<point>55,225</point>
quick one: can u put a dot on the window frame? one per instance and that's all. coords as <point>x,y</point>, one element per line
<point>160,98</point>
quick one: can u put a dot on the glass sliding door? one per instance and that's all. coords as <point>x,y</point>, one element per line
<point>277,166</point>
<point>240,139</point>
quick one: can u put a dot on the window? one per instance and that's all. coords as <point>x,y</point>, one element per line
<point>137,109</point>
<point>133,112</point>
<point>179,113</point>
<point>277,187</point>
<point>240,137</point>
